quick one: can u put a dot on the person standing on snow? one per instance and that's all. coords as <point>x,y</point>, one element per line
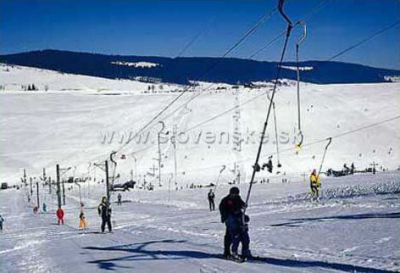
<point>229,207</point>
<point>104,210</point>
<point>82,221</point>
<point>240,234</point>
<point>119,199</point>
<point>1,223</point>
<point>315,184</point>
<point>211,197</point>
<point>60,216</point>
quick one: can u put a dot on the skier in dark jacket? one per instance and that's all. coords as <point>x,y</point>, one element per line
<point>229,207</point>
<point>211,197</point>
<point>119,203</point>
<point>1,222</point>
<point>239,231</point>
<point>104,210</point>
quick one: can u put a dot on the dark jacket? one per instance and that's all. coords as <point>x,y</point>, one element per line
<point>104,210</point>
<point>230,205</point>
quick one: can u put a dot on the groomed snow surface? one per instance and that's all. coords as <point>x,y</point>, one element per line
<point>354,228</point>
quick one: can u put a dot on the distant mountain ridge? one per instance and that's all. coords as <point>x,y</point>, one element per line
<point>184,69</point>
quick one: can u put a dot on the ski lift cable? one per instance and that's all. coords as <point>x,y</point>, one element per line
<point>370,37</point>
<point>312,12</point>
<point>256,166</point>
<point>194,38</point>
<point>268,44</point>
<point>281,34</point>
<point>374,35</point>
<point>330,59</point>
<point>307,16</point>
<point>260,22</point>
<point>314,142</point>
<point>208,120</point>
<point>252,30</point>
<point>256,97</point>
<point>299,42</point>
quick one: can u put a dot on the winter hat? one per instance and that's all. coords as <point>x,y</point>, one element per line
<point>234,190</point>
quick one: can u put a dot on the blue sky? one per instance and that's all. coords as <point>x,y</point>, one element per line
<point>164,27</point>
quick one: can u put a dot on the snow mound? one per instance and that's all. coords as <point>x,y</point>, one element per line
<point>137,64</point>
<point>301,68</point>
<point>392,187</point>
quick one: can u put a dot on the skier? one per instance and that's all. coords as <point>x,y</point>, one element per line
<point>104,210</point>
<point>119,199</point>
<point>82,221</point>
<point>352,168</point>
<point>315,184</point>
<point>268,165</point>
<point>60,215</point>
<point>44,207</point>
<point>229,206</point>
<point>211,197</point>
<point>1,223</point>
<point>240,234</point>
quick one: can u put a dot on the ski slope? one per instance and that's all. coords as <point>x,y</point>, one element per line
<point>80,120</point>
<point>78,129</point>
<point>14,78</point>
<point>354,228</point>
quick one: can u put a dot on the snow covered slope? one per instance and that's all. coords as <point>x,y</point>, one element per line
<point>214,126</point>
<point>16,78</point>
<point>354,229</point>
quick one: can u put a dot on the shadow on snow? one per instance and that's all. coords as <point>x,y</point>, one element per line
<point>139,253</point>
<point>297,221</point>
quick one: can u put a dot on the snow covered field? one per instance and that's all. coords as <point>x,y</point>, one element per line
<point>354,228</point>
<point>213,127</point>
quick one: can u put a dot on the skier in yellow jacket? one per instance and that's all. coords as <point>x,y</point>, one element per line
<point>82,221</point>
<point>315,184</point>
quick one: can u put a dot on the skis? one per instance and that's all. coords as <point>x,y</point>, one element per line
<point>241,259</point>
<point>236,259</point>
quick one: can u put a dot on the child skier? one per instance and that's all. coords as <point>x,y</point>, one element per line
<point>60,216</point>
<point>230,209</point>
<point>239,230</point>
<point>82,221</point>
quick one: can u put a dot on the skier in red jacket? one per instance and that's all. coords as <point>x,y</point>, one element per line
<point>60,215</point>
